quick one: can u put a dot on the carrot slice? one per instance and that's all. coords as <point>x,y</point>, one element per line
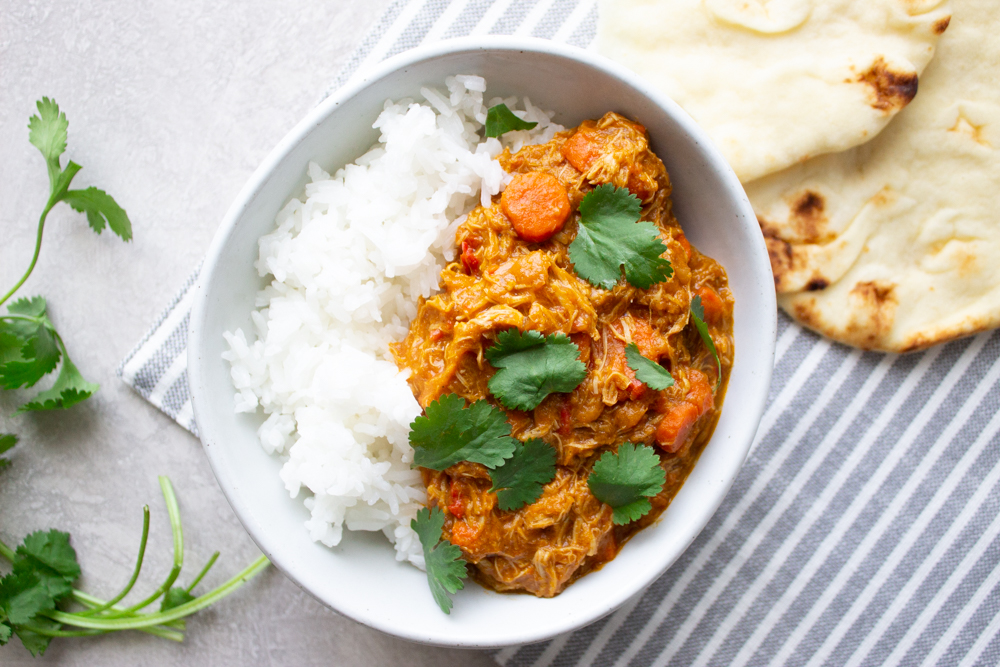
<point>675,427</point>
<point>537,205</point>
<point>582,150</point>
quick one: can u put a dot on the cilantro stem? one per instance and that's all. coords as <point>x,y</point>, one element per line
<point>173,511</point>
<point>91,601</point>
<point>6,552</point>
<point>38,249</point>
<point>28,318</point>
<point>204,571</point>
<point>135,572</point>
<point>164,633</point>
<point>160,618</point>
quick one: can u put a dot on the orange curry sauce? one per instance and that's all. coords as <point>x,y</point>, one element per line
<point>514,271</point>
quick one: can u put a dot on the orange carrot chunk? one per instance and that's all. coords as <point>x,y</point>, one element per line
<point>673,430</point>
<point>700,394</point>
<point>712,303</point>
<point>582,150</point>
<point>536,204</point>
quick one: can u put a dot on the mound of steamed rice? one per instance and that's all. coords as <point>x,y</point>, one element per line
<point>348,263</point>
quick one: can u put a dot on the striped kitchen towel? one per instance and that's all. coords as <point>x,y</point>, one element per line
<point>864,528</point>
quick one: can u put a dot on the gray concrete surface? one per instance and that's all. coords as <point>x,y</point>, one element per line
<point>171,107</point>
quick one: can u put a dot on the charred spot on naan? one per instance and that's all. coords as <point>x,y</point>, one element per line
<point>806,220</point>
<point>872,312</point>
<point>941,25</point>
<point>889,90</point>
<point>787,262</point>
<point>807,217</point>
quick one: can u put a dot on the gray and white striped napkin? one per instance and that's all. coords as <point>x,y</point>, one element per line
<point>864,528</point>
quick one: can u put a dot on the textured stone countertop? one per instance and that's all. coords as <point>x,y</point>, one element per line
<point>171,106</point>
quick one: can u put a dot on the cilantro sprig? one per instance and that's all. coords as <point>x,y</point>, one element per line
<point>626,479</point>
<point>647,371</point>
<point>450,432</point>
<point>611,237</point>
<point>500,120</point>
<point>698,317</point>
<point>519,481</point>
<point>443,560</point>
<point>45,568</point>
<point>532,366</point>
<point>30,346</point>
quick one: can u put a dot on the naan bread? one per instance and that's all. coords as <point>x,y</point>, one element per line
<point>775,82</point>
<point>895,245</point>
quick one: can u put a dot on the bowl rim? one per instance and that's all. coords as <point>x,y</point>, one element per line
<point>357,83</point>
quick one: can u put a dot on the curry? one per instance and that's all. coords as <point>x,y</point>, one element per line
<point>513,271</point>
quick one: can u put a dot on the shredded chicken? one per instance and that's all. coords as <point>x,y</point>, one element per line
<point>503,281</point>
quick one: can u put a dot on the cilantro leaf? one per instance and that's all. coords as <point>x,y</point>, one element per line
<point>23,596</point>
<point>100,208</point>
<point>69,389</point>
<point>7,441</point>
<point>34,642</point>
<point>647,371</point>
<point>449,432</point>
<point>445,567</point>
<point>50,554</point>
<point>625,479</point>
<point>175,597</point>
<point>500,119</point>
<point>5,633</point>
<point>48,132</point>
<point>532,366</point>
<point>33,307</point>
<point>28,349</point>
<point>698,316</point>
<point>610,236</point>
<point>519,481</point>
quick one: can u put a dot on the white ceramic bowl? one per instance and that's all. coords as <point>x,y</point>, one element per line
<point>360,578</point>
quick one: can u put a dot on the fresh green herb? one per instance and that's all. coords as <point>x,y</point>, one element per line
<point>647,371</point>
<point>500,120</point>
<point>450,432</point>
<point>519,481</point>
<point>698,316</point>
<point>610,236</point>
<point>30,346</point>
<point>626,479</point>
<point>45,569</point>
<point>7,442</point>
<point>532,366</point>
<point>443,560</point>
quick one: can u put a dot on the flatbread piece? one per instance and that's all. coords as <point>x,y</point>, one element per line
<point>775,82</point>
<point>895,245</point>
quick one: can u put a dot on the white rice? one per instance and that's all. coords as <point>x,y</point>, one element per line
<point>348,264</point>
